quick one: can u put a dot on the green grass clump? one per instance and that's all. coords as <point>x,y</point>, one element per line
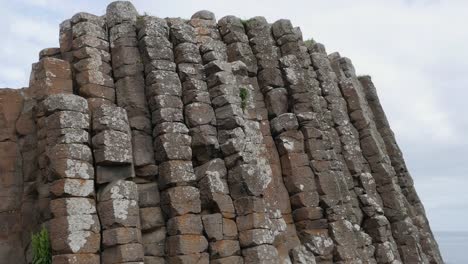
<point>41,247</point>
<point>243,93</point>
<point>244,22</point>
<point>309,42</point>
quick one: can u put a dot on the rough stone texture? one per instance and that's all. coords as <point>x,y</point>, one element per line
<point>150,140</point>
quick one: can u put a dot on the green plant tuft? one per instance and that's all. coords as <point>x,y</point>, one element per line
<point>141,17</point>
<point>243,93</point>
<point>41,247</point>
<point>244,22</point>
<point>309,42</point>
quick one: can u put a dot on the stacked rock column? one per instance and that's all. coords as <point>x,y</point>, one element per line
<point>160,80</point>
<point>117,194</point>
<point>311,139</point>
<point>13,179</point>
<point>276,196</point>
<point>405,181</point>
<point>48,76</point>
<point>345,217</point>
<point>74,227</point>
<point>247,179</point>
<point>180,198</point>
<point>90,58</point>
<point>275,96</point>
<point>404,231</point>
<point>217,207</point>
<point>374,223</point>
<point>128,69</point>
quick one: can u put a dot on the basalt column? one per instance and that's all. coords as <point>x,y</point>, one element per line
<point>75,227</point>
<point>404,231</point>
<point>90,58</point>
<point>128,69</point>
<point>405,181</point>
<point>117,195</point>
<point>11,182</point>
<point>305,104</point>
<point>217,207</point>
<point>247,177</point>
<point>374,222</point>
<point>276,195</point>
<point>352,241</point>
<point>156,54</point>
<point>180,198</point>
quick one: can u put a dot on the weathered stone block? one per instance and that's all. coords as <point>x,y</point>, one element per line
<point>198,114</point>
<point>260,254</point>
<point>154,242</point>
<point>180,200</point>
<point>70,152</point>
<point>120,236</point>
<point>185,244</point>
<point>112,173</point>
<point>119,213</point>
<point>173,146</point>
<point>72,206</point>
<point>224,248</point>
<point>253,221</point>
<point>213,226</point>
<point>188,224</point>
<point>151,217</point>
<point>119,189</point>
<point>70,168</point>
<point>67,136</point>
<point>284,122</point>
<point>68,119</point>
<point>148,195</point>
<point>255,237</point>
<point>76,259</point>
<point>72,187</point>
<point>65,102</point>
<point>109,117</point>
<point>174,172</point>
<point>75,234</point>
<point>123,253</point>
<point>308,213</point>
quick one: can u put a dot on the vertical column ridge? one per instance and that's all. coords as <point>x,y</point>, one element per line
<point>404,231</point>
<point>71,180</point>
<point>84,42</point>
<point>370,215</point>
<point>323,146</point>
<point>13,180</point>
<point>238,138</point>
<point>405,181</point>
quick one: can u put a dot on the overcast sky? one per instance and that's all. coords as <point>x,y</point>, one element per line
<point>415,50</point>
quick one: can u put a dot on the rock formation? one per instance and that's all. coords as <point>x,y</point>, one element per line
<point>150,140</point>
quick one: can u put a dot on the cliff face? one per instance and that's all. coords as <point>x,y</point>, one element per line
<point>155,140</point>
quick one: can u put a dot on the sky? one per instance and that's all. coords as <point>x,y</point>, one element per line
<point>415,50</point>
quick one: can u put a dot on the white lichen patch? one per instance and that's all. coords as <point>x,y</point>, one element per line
<point>78,228</point>
<point>77,187</point>
<point>124,190</point>
<point>121,208</point>
<point>80,206</point>
<point>215,183</point>
<point>78,169</point>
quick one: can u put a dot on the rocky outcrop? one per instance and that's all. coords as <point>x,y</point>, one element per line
<point>150,140</point>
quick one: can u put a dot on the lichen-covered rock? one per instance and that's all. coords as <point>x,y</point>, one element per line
<point>170,140</point>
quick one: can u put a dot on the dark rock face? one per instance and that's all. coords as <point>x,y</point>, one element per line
<point>150,140</point>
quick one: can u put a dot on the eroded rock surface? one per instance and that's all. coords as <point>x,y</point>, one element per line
<point>150,140</point>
